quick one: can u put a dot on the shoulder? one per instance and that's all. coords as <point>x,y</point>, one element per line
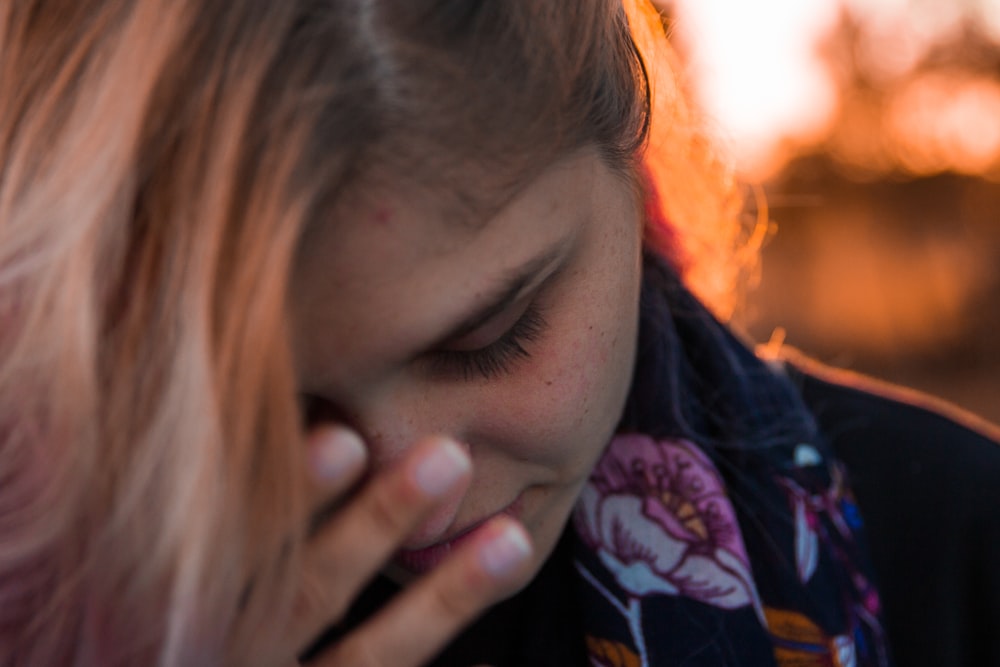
<point>926,476</point>
<point>903,447</point>
<point>899,433</point>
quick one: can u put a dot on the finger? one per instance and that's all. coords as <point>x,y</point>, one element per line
<point>353,545</point>
<point>424,618</point>
<point>337,458</point>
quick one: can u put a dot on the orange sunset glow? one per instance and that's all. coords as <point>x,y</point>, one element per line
<point>768,75</point>
<point>873,127</point>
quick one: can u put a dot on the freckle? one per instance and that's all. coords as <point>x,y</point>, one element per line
<point>548,383</point>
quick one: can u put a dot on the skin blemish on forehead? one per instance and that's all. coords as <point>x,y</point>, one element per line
<point>383,215</point>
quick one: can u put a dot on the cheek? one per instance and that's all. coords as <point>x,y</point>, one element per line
<point>566,402</point>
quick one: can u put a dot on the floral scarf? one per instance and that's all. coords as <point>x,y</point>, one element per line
<point>704,543</point>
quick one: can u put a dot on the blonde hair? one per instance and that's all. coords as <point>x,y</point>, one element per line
<point>144,485</point>
<point>159,162</point>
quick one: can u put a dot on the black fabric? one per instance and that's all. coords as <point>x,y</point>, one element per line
<point>695,379</point>
<point>929,490</point>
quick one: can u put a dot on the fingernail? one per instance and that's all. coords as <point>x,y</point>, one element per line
<point>336,453</point>
<point>441,468</point>
<point>506,551</point>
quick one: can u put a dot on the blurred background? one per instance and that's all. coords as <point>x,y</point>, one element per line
<point>873,127</point>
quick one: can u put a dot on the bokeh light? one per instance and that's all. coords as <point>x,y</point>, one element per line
<point>765,76</point>
<point>757,70</point>
<point>946,121</point>
<point>873,127</point>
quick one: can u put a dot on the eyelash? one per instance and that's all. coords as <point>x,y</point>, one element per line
<point>496,359</point>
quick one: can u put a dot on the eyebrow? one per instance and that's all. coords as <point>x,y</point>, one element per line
<point>507,291</point>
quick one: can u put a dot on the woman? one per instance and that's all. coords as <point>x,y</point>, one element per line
<point>461,238</point>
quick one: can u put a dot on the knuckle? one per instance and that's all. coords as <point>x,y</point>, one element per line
<point>324,597</point>
<point>387,515</point>
<point>453,605</point>
<point>329,600</point>
<point>358,651</point>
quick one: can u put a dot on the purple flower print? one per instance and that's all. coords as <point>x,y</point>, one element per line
<point>657,514</point>
<point>808,509</point>
<point>823,520</point>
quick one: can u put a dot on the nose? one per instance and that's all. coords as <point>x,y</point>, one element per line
<point>393,419</point>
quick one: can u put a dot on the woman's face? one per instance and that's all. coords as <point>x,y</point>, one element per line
<point>515,336</point>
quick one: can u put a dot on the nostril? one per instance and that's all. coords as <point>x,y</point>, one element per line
<point>316,410</point>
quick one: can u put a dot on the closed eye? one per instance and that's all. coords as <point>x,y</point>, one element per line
<point>491,361</point>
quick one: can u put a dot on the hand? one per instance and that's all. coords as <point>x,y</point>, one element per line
<point>350,547</point>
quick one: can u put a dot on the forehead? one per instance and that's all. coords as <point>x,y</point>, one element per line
<point>390,270</point>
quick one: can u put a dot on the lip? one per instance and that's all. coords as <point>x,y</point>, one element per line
<point>423,559</point>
